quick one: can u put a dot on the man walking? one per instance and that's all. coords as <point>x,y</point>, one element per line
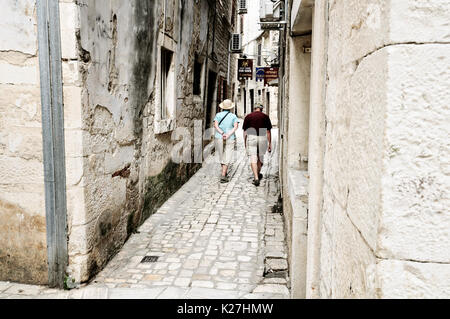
<point>258,140</point>
<point>226,124</point>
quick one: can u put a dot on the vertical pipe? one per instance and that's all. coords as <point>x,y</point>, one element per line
<point>49,39</point>
<point>316,146</point>
<point>205,84</point>
<point>228,67</point>
<point>165,12</point>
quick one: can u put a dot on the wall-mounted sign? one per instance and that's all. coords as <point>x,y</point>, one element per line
<point>270,74</point>
<point>245,69</point>
<point>260,74</point>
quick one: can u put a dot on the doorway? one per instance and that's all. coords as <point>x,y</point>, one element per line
<point>245,102</point>
<point>211,101</point>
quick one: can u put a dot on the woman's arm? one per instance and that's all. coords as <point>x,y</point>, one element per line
<point>236,126</point>
<point>216,126</point>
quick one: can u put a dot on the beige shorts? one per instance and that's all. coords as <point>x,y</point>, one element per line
<point>257,146</point>
<point>224,150</point>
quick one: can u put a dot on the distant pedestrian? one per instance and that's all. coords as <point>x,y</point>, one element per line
<point>226,124</point>
<point>258,140</point>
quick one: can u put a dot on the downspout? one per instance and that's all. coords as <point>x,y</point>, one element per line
<point>49,39</point>
<point>205,84</point>
<point>281,88</point>
<point>165,12</point>
<point>229,62</point>
<point>214,31</point>
<point>316,146</point>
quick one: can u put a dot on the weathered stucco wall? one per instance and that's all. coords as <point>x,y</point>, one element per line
<point>127,171</point>
<point>385,211</point>
<point>298,110</point>
<point>23,253</point>
<point>119,168</point>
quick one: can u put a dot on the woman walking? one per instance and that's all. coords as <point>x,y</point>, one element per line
<point>226,124</point>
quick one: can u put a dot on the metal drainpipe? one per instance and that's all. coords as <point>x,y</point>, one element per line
<point>214,31</point>
<point>205,84</point>
<point>49,39</point>
<point>165,12</point>
<point>228,66</point>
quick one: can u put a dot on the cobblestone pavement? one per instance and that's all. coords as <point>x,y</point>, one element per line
<point>212,240</point>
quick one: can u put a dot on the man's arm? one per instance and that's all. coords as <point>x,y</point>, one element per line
<point>269,133</point>
<point>269,139</point>
<point>245,139</point>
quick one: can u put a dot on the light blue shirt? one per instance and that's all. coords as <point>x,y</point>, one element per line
<point>227,124</point>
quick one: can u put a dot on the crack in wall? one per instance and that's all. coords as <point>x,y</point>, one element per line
<point>358,61</point>
<point>17,58</point>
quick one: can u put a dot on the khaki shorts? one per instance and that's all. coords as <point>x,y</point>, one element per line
<point>257,146</point>
<point>224,150</point>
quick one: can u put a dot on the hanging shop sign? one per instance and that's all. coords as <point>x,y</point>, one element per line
<point>260,74</point>
<point>270,74</point>
<point>245,69</point>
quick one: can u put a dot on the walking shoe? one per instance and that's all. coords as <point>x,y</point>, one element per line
<point>256,182</point>
<point>224,179</point>
<point>260,176</point>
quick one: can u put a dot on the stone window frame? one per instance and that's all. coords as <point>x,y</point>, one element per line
<point>164,125</point>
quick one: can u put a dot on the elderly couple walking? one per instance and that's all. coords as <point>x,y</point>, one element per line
<point>257,138</point>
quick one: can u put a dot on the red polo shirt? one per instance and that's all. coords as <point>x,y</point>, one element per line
<point>257,123</point>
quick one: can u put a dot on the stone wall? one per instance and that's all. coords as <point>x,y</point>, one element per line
<point>23,254</point>
<point>118,146</point>
<point>385,211</point>
<point>127,171</point>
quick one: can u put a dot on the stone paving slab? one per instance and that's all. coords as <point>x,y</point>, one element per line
<point>211,241</point>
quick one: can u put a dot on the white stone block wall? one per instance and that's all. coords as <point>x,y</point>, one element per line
<point>23,255</point>
<point>113,156</point>
<point>22,188</point>
<point>74,145</point>
<point>386,194</point>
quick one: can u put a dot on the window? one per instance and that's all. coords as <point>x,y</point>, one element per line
<point>197,83</point>
<point>224,89</point>
<point>167,89</point>
<point>222,92</point>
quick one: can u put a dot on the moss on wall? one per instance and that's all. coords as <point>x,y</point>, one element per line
<point>161,187</point>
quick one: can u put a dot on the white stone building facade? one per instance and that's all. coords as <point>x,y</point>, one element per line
<point>262,47</point>
<point>365,153</point>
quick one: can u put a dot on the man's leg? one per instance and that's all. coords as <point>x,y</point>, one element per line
<point>260,165</point>
<point>262,149</point>
<point>224,170</point>
<point>252,144</point>
<point>255,167</point>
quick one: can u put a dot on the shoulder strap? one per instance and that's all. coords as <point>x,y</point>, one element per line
<point>224,118</point>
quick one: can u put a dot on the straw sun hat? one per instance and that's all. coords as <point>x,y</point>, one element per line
<point>226,105</point>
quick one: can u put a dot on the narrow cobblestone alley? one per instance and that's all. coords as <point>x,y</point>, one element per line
<point>211,240</point>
